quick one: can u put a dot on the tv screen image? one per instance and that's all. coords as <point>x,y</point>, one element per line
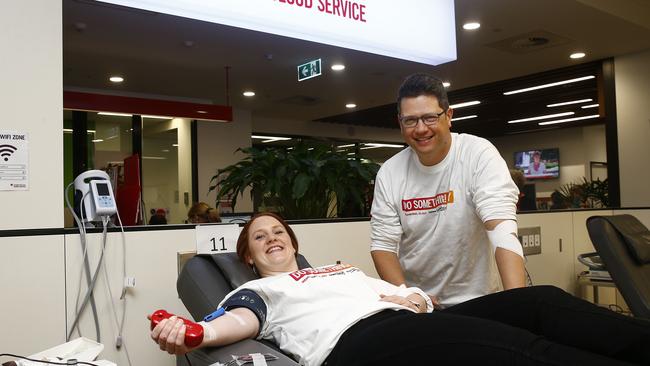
<point>539,164</point>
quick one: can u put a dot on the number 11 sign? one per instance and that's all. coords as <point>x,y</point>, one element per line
<point>216,239</point>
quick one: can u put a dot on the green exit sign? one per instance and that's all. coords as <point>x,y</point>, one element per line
<point>309,70</point>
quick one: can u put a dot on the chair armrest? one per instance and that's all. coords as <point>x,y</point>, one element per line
<point>208,356</point>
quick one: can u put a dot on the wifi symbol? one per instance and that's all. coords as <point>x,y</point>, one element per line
<point>6,151</point>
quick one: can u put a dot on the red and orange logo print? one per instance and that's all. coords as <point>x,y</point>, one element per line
<point>428,203</point>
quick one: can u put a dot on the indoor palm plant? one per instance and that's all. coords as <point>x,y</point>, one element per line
<point>302,182</point>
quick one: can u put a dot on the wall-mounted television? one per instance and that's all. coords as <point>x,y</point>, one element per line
<point>539,164</point>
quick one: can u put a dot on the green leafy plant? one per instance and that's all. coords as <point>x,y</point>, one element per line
<point>584,194</point>
<point>304,182</point>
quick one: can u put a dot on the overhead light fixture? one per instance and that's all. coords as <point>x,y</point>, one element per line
<point>114,114</point>
<point>69,130</point>
<point>571,102</point>
<point>446,84</point>
<point>546,116</point>
<point>471,25</point>
<point>590,106</point>
<point>97,140</point>
<point>116,79</point>
<point>549,85</point>
<point>202,112</point>
<point>373,145</point>
<point>157,117</point>
<point>270,138</point>
<point>464,117</point>
<point>154,158</point>
<point>577,55</point>
<point>350,105</point>
<point>165,150</point>
<point>352,153</point>
<point>338,67</point>
<point>464,104</point>
<point>175,145</point>
<point>343,146</point>
<point>249,93</point>
<point>568,120</point>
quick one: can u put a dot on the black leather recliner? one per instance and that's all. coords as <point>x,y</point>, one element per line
<point>623,244</point>
<point>203,282</point>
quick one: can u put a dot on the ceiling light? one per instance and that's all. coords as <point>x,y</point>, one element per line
<point>546,116</point>
<point>350,105</point>
<point>464,104</point>
<point>249,93</point>
<point>348,145</point>
<point>589,106</point>
<point>202,112</point>
<point>568,120</point>
<point>116,79</point>
<point>175,145</point>
<point>157,117</point>
<point>548,85</point>
<point>471,26</point>
<point>165,150</point>
<point>446,84</point>
<point>571,102</point>
<point>154,158</point>
<point>97,140</point>
<point>270,138</point>
<point>577,55</point>
<point>338,67</point>
<point>464,117</point>
<point>114,114</point>
<point>351,153</point>
<point>373,145</point>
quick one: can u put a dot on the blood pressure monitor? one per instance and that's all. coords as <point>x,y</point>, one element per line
<point>103,199</point>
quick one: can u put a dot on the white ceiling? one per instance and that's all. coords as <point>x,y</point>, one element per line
<point>150,51</point>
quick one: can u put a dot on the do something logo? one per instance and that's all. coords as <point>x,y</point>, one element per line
<point>6,151</point>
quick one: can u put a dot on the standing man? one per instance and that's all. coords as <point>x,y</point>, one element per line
<point>444,209</point>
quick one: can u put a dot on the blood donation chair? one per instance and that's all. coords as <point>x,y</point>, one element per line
<point>623,244</point>
<point>203,282</point>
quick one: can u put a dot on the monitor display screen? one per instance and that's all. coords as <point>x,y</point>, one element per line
<point>539,164</point>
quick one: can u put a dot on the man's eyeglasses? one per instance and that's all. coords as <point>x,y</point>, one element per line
<point>428,119</point>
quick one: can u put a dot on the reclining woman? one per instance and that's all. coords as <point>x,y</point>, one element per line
<point>336,315</point>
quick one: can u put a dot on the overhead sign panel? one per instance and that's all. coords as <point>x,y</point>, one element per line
<point>415,30</point>
<point>309,70</point>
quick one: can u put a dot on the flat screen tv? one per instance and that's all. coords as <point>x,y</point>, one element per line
<point>539,164</point>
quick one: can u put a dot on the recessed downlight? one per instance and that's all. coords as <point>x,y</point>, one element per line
<point>471,25</point>
<point>577,55</point>
<point>116,79</point>
<point>446,84</point>
<point>249,93</point>
<point>350,105</point>
<point>338,67</point>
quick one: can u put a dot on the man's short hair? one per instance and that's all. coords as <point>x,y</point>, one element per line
<point>422,84</point>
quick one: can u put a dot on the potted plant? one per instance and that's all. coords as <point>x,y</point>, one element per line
<point>585,194</point>
<point>303,182</point>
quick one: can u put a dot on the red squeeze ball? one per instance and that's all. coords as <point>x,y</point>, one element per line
<point>193,331</point>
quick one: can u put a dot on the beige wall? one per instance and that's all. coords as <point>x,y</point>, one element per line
<point>217,142</point>
<point>578,146</point>
<point>31,90</point>
<point>633,112</point>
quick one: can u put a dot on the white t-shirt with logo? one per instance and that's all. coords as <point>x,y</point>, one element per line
<point>432,217</point>
<point>307,311</point>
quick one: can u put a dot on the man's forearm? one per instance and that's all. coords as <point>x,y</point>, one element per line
<point>388,267</point>
<point>511,268</point>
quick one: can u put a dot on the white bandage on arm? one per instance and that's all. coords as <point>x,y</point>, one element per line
<point>209,333</point>
<point>504,236</point>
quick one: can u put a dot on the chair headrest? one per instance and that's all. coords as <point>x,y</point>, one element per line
<point>635,235</point>
<point>237,273</point>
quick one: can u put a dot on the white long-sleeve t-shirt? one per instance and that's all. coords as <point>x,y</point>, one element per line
<point>308,310</point>
<point>432,217</point>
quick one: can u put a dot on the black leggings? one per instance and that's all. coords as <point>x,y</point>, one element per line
<point>539,325</point>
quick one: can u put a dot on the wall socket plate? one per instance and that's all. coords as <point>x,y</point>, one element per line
<point>531,240</point>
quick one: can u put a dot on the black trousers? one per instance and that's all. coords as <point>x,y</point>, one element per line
<point>540,325</point>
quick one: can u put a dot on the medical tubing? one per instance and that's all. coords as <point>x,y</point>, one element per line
<point>47,362</point>
<point>82,238</point>
<point>91,286</point>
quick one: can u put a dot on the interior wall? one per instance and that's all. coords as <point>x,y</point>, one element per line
<point>578,146</point>
<point>217,143</point>
<point>632,95</point>
<point>32,102</point>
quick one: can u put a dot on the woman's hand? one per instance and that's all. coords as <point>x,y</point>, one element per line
<point>416,304</point>
<point>169,334</point>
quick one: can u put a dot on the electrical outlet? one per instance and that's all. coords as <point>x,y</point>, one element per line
<point>531,240</point>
